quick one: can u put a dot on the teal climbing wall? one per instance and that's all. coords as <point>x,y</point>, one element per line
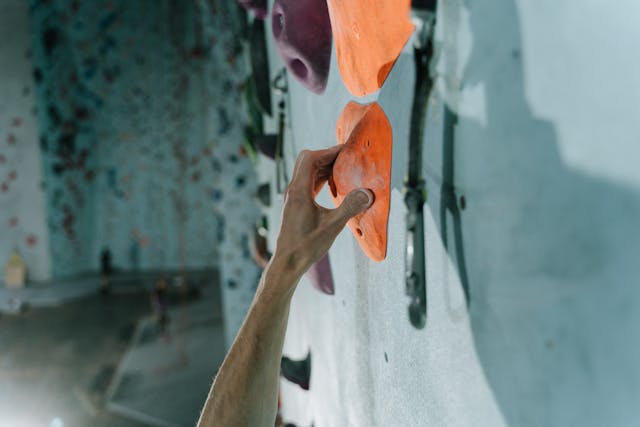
<point>141,131</point>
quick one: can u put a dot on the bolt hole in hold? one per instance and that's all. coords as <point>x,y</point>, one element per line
<point>368,143</point>
<point>299,69</point>
<point>359,232</point>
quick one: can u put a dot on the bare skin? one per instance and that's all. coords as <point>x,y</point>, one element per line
<point>245,390</point>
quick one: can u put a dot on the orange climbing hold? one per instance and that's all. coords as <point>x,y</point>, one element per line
<point>365,162</point>
<point>369,36</point>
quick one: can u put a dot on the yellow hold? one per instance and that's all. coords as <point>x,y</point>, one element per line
<point>15,271</point>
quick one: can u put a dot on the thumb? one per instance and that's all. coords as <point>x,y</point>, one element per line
<point>355,203</point>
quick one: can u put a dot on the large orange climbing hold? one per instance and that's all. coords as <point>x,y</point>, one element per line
<point>369,36</point>
<point>365,162</point>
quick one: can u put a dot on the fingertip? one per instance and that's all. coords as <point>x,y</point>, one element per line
<point>329,155</point>
<point>370,197</point>
<point>335,150</point>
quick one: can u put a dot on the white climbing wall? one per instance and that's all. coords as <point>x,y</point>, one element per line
<point>546,156</point>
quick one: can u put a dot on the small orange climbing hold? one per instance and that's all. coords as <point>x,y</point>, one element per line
<point>365,162</point>
<point>369,36</point>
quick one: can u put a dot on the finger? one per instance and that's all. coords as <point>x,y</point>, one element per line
<point>321,177</point>
<point>307,159</point>
<point>302,157</point>
<point>353,204</point>
<point>312,166</point>
<point>327,156</point>
<point>318,162</point>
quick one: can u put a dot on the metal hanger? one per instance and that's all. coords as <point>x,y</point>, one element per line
<point>423,15</point>
<point>281,86</point>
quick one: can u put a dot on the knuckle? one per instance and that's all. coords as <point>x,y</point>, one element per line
<point>303,156</point>
<point>302,160</point>
<point>289,192</point>
<point>292,192</point>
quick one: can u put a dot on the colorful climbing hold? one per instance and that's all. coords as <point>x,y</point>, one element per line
<point>302,31</point>
<point>365,162</point>
<point>369,36</point>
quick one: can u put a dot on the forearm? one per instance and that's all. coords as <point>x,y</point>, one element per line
<point>245,390</point>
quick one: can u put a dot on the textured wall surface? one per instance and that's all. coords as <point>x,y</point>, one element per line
<point>22,201</point>
<point>142,132</point>
<point>236,176</point>
<point>545,154</point>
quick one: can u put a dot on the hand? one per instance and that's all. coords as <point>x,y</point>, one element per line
<point>308,229</point>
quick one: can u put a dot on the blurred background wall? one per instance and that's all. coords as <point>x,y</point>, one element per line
<point>22,197</point>
<point>122,128</point>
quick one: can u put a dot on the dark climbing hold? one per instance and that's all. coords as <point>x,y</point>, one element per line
<point>297,371</point>
<point>50,39</point>
<point>37,75</point>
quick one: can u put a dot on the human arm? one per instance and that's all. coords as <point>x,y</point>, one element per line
<point>245,390</point>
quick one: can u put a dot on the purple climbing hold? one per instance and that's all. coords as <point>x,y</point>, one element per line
<point>302,31</point>
<point>321,277</point>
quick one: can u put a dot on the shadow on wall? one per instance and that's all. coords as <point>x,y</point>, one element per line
<point>549,250</point>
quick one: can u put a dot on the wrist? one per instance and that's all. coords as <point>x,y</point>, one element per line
<point>283,271</point>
